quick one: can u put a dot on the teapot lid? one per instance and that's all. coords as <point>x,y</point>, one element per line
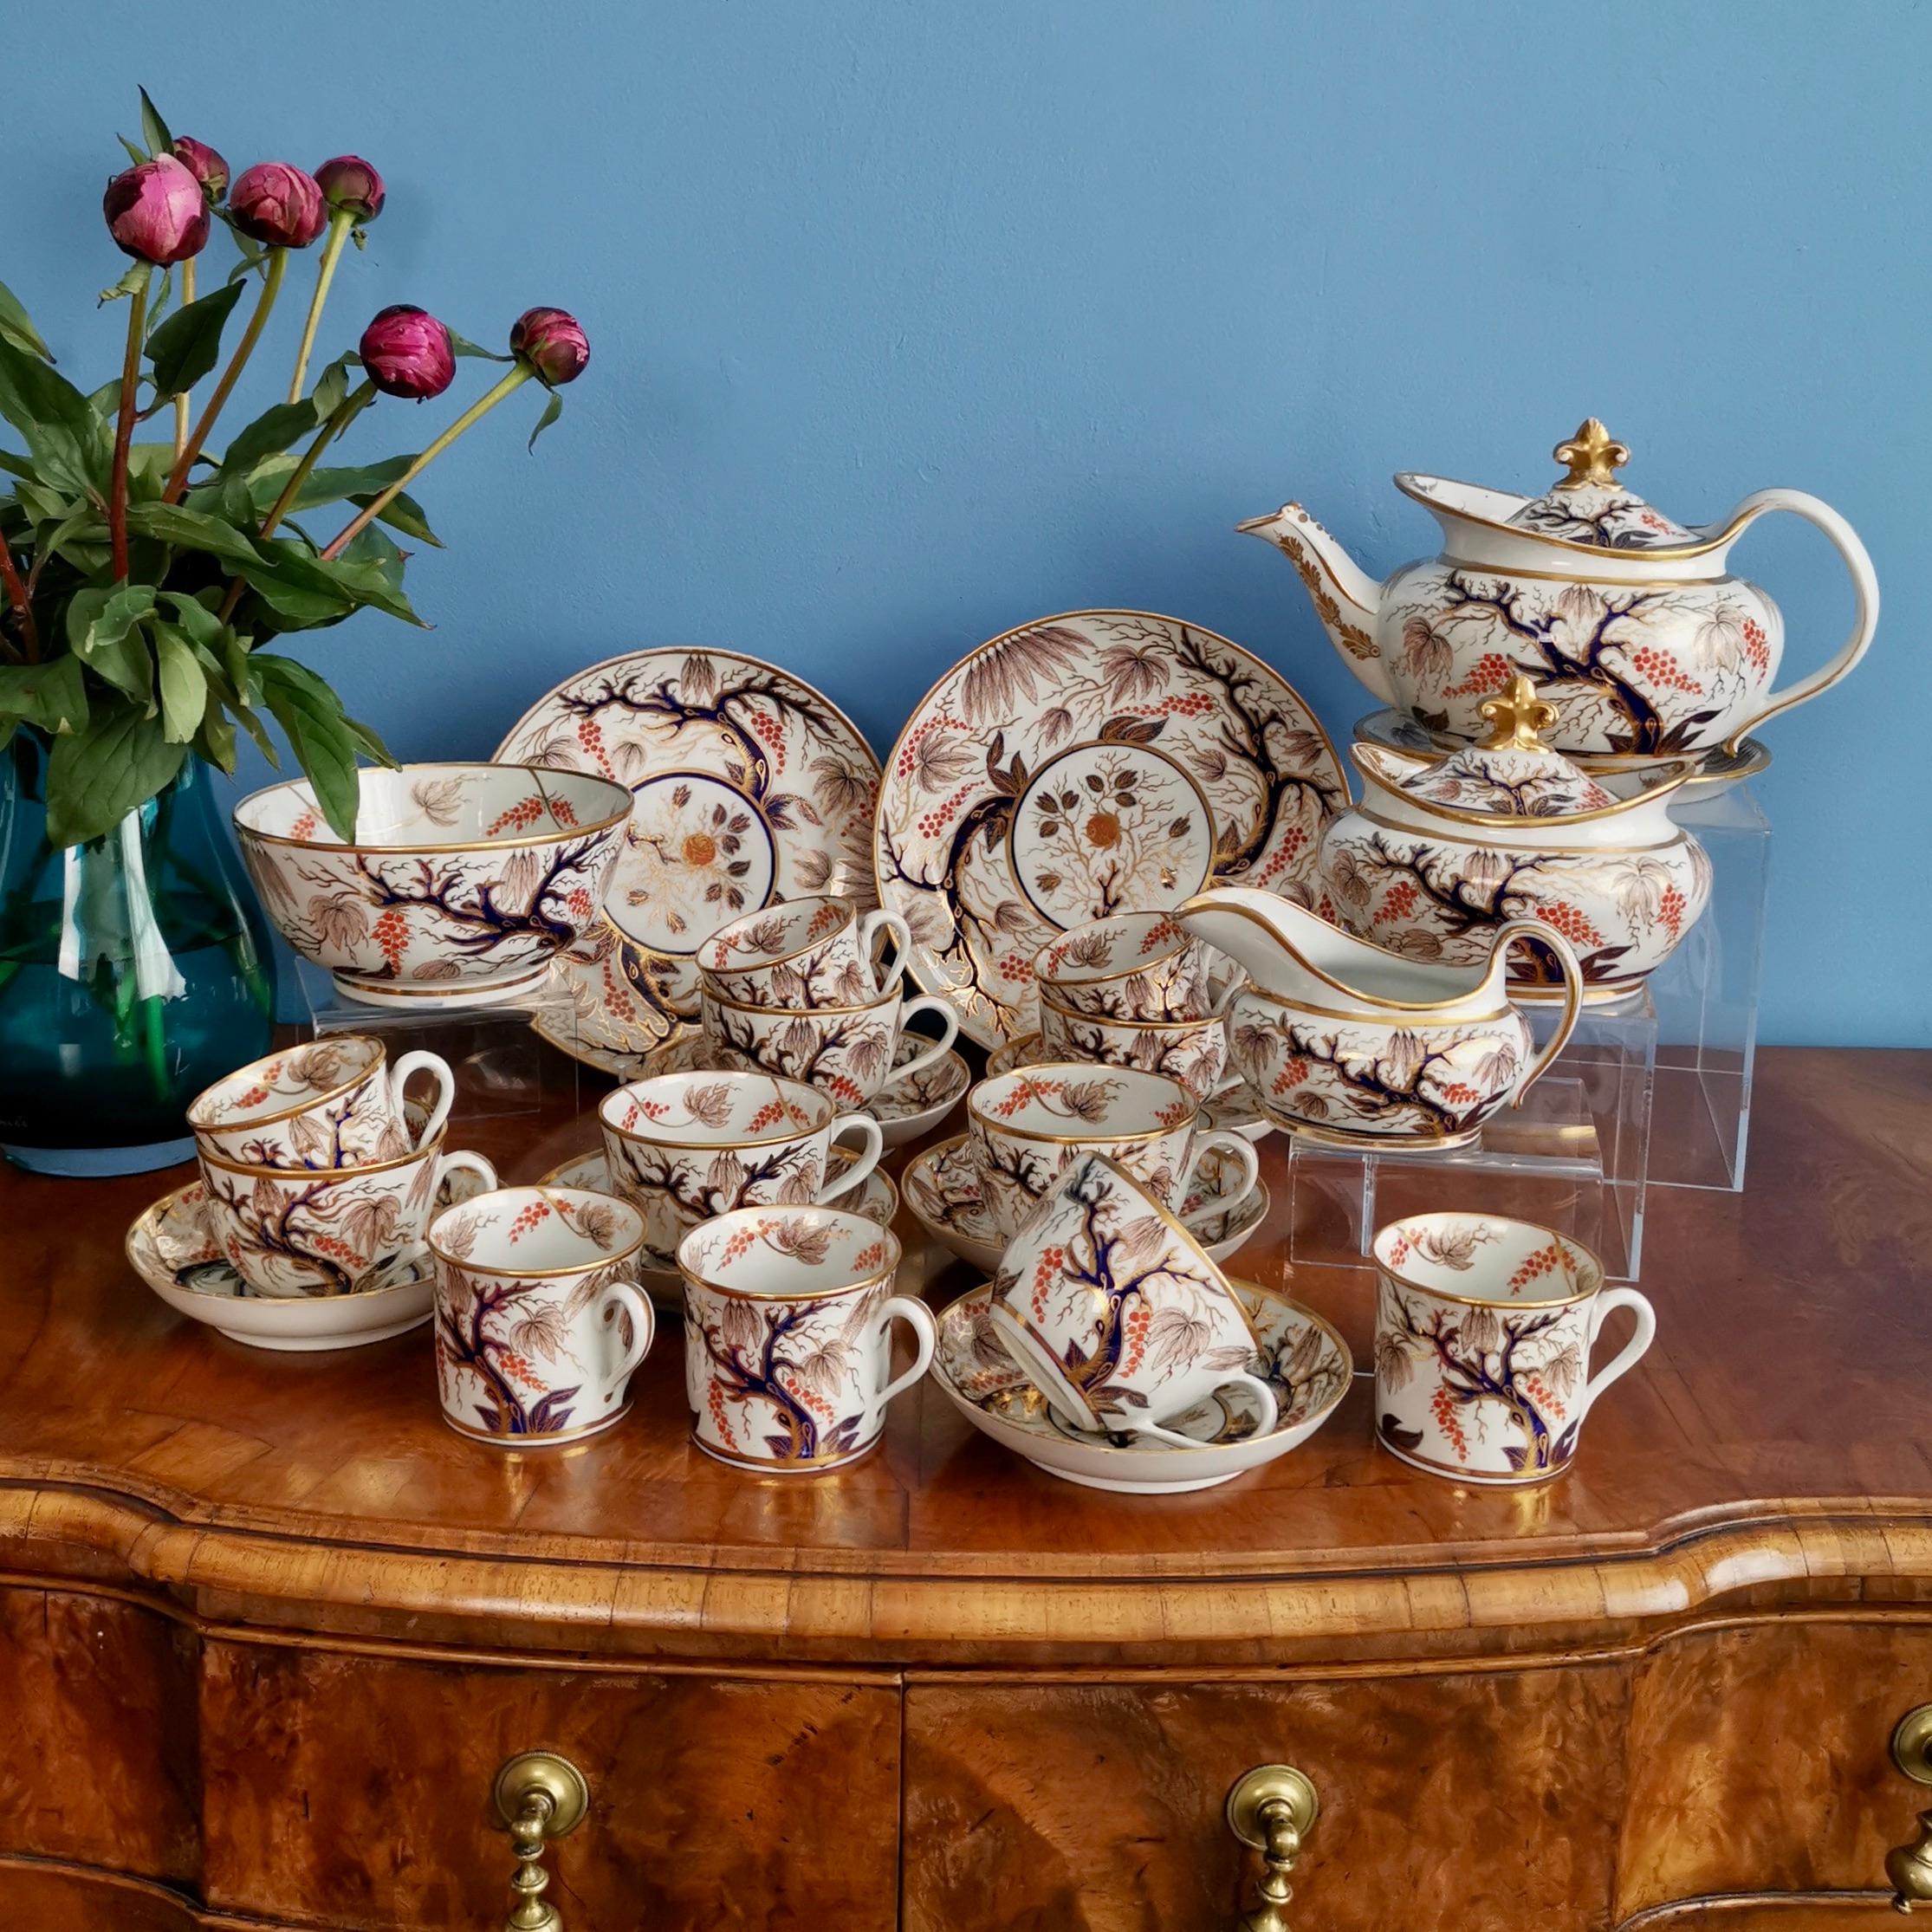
<point>1588,505</point>
<point>1511,773</point>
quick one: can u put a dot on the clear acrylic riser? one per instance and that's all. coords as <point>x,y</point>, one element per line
<point>504,1070</point>
<point>1653,1092</point>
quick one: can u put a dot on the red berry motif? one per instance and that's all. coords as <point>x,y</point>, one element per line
<point>1397,902</point>
<point>519,818</point>
<point>1661,669</point>
<point>529,1217</point>
<point>1490,673</point>
<point>391,932</point>
<point>304,827</point>
<point>1670,913</point>
<point>1757,646</point>
<point>1565,918</point>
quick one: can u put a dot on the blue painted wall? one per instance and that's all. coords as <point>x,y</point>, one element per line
<point>911,320</point>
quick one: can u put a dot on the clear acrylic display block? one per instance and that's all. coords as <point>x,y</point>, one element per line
<point>1706,996</point>
<point>1655,1092</point>
<point>504,1068</point>
<point>1571,1157</point>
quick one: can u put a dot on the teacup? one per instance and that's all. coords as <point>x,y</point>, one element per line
<point>1027,1125</point>
<point>845,1051</point>
<point>788,1336</point>
<point>329,1103</point>
<point>810,952</point>
<point>1117,1313</point>
<point>1193,1052</point>
<point>684,1147</point>
<point>538,1327</point>
<point>1483,1330</point>
<point>1132,966</point>
<point>325,1231</point>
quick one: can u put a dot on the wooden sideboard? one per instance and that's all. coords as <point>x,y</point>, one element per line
<point>268,1629</point>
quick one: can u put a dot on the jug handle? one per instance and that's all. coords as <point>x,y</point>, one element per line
<point>1864,587</point>
<point>1506,936</point>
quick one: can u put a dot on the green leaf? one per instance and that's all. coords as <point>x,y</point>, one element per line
<point>552,410</point>
<point>70,444</point>
<point>183,684</point>
<point>331,386</point>
<point>311,715</point>
<point>137,155</point>
<point>214,740</point>
<point>332,486</point>
<point>251,723</point>
<point>463,346</point>
<point>69,528</point>
<point>96,776</point>
<point>251,256</point>
<point>188,344</point>
<point>195,618</point>
<point>190,529</point>
<point>270,434</point>
<point>52,695</point>
<point>154,129</point>
<point>130,283</point>
<point>368,743</point>
<point>104,628</point>
<point>16,329</point>
<point>402,512</point>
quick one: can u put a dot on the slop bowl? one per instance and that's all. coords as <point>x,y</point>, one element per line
<point>462,883</point>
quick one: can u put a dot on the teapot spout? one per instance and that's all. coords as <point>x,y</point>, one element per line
<point>1344,596</point>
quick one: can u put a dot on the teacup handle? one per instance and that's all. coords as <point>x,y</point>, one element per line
<point>869,928</point>
<point>1271,1414</point>
<point>874,1138</point>
<point>1507,935</point>
<point>463,1161</point>
<point>438,1069</point>
<point>918,1318</point>
<point>949,1032</point>
<point>1221,1140</point>
<point>643,1326</point>
<point>1626,1357</point>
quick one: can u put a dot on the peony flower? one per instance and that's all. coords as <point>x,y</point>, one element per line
<point>349,183</point>
<point>156,212</point>
<point>552,342</point>
<point>277,205</point>
<point>203,164</point>
<point>407,353</point>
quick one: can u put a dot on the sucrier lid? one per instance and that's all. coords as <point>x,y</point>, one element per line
<point>1511,773</point>
<point>1588,505</point>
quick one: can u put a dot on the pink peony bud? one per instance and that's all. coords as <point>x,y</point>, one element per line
<point>203,164</point>
<point>552,342</point>
<point>277,205</point>
<point>406,351</point>
<point>348,182</point>
<point>156,213</point>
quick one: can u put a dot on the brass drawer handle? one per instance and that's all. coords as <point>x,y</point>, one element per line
<point>540,1797</point>
<point>1272,1810</point>
<point>1909,1868</point>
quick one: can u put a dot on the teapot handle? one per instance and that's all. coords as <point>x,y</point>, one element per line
<point>1506,936</point>
<point>1864,588</point>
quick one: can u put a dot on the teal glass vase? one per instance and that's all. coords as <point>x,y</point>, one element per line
<point>135,969</point>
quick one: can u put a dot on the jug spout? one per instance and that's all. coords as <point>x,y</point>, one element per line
<point>1344,596</point>
<point>1271,938</point>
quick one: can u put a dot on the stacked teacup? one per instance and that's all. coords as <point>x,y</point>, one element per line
<point>795,991</point>
<point>1118,1316</point>
<point>317,1179</point>
<point>1134,991</point>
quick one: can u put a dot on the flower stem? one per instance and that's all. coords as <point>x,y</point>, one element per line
<point>16,595</point>
<point>181,401</point>
<point>124,427</point>
<point>355,400</point>
<point>271,286</point>
<point>475,413</point>
<point>340,223</point>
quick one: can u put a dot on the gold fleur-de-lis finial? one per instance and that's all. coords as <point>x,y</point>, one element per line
<point>1517,717</point>
<point>1592,458</point>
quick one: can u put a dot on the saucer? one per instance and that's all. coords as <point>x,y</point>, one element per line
<point>914,1108</point>
<point>1307,1363</point>
<point>171,1249</point>
<point>1236,1112</point>
<point>875,1197</point>
<point>942,1189</point>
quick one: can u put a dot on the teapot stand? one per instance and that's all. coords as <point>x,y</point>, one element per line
<point>1652,1092</point>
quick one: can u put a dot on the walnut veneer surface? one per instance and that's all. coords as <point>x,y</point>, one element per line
<point>267,1626</point>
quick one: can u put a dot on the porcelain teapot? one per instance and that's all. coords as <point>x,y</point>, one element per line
<point>1629,622</point>
<point>1345,1042</point>
<point>1441,853</point>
